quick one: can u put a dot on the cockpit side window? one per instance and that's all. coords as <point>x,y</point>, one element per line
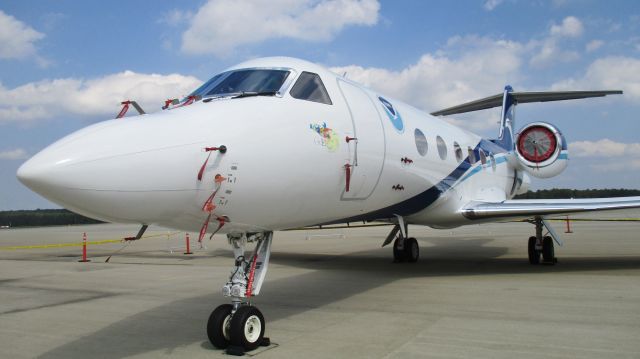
<point>309,87</point>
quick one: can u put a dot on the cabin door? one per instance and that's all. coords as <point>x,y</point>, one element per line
<point>366,146</point>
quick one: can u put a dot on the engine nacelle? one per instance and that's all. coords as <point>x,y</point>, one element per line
<point>542,150</point>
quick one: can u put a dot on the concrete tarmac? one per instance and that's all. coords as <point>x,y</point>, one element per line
<point>329,294</point>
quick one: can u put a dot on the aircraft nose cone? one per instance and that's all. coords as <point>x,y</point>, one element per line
<point>115,170</point>
<point>36,174</point>
<point>29,173</point>
<point>46,173</point>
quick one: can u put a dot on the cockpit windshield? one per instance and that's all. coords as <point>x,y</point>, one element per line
<point>244,81</point>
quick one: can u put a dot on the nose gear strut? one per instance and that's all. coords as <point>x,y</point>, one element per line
<point>240,327</point>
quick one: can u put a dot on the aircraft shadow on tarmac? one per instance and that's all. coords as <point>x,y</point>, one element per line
<point>334,278</point>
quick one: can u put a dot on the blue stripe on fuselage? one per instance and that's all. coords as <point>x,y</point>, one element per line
<point>423,200</point>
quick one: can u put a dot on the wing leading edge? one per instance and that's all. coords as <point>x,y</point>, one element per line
<point>544,207</point>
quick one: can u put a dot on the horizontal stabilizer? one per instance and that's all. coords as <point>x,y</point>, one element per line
<point>522,97</point>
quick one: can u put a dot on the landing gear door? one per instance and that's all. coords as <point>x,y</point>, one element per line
<point>366,146</point>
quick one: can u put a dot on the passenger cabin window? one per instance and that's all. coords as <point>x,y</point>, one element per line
<point>442,148</point>
<point>421,142</point>
<point>472,155</point>
<point>483,157</point>
<point>244,81</point>
<point>309,87</point>
<point>458,151</point>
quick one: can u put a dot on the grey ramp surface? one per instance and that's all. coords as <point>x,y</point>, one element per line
<point>473,294</point>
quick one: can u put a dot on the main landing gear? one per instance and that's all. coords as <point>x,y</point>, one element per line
<point>239,326</point>
<point>405,249</point>
<point>540,245</point>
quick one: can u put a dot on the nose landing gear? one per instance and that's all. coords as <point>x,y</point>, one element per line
<point>240,326</point>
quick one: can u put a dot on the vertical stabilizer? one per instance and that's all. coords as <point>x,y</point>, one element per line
<point>507,119</point>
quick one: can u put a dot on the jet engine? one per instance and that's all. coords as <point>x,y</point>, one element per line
<point>541,150</point>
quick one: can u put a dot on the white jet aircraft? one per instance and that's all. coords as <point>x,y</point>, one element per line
<point>278,143</point>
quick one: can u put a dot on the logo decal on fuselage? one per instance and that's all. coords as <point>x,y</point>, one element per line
<point>393,114</point>
<point>328,137</point>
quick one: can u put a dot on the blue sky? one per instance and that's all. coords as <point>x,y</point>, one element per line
<point>66,64</point>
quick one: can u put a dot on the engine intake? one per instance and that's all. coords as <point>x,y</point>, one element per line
<point>542,150</point>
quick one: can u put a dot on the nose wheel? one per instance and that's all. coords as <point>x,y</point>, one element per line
<point>239,331</point>
<point>247,328</point>
<point>218,326</point>
<point>239,327</point>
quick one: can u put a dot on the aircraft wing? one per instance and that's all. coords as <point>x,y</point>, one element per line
<point>513,209</point>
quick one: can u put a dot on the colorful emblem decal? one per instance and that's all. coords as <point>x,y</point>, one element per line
<point>393,114</point>
<point>328,137</point>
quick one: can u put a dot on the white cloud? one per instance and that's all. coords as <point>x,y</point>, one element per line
<point>491,4</point>
<point>615,27</point>
<point>482,67</point>
<point>605,148</point>
<point>606,155</point>
<point>440,80</point>
<point>593,45</point>
<point>92,97</point>
<point>16,38</point>
<point>609,73</point>
<point>176,17</point>
<point>570,27</point>
<point>222,25</point>
<point>550,50</point>
<point>15,154</point>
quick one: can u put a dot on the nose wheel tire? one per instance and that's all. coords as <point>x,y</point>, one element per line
<point>247,328</point>
<point>534,254</point>
<point>218,326</point>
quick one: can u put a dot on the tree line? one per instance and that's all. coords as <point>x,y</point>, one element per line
<point>63,217</point>
<point>556,193</point>
<point>42,217</point>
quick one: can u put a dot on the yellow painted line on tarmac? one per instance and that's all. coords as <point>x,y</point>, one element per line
<point>80,244</point>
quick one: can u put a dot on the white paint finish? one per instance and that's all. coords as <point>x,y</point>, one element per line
<point>284,166</point>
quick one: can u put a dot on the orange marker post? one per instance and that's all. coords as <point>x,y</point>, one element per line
<point>186,238</point>
<point>568,230</point>
<point>84,248</point>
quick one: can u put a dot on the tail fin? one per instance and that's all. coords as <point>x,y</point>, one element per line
<point>507,120</point>
<point>509,99</point>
